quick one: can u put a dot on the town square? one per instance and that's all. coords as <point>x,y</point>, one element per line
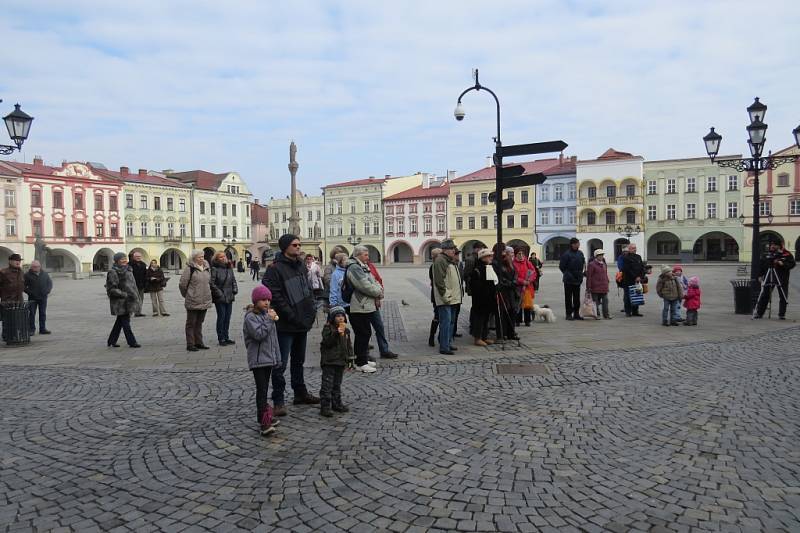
<point>357,267</point>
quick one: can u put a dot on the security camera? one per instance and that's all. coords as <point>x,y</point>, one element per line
<point>459,112</point>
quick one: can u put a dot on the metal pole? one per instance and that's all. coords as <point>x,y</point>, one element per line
<point>498,166</point>
<point>754,260</point>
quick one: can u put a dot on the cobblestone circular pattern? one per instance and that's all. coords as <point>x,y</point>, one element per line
<point>700,436</point>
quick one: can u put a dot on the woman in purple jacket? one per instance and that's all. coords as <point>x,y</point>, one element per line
<point>597,282</point>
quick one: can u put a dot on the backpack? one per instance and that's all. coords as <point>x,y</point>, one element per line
<point>618,278</point>
<point>347,287</point>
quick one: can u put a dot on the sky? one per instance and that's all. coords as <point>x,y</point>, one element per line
<point>368,88</point>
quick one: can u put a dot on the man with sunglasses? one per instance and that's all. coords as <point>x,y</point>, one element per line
<point>293,301</point>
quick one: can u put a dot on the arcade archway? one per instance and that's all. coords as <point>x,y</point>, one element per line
<point>554,247</point>
<point>103,260</point>
<point>402,253</point>
<point>172,259</point>
<point>718,246</point>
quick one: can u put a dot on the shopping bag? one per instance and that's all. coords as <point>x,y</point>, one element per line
<point>527,298</point>
<point>588,309</point>
<point>645,288</point>
<point>636,296</point>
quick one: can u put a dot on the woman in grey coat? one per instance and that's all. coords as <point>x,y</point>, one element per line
<point>195,286</point>
<point>123,297</point>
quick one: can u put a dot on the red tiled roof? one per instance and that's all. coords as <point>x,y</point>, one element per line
<point>420,192</point>
<point>614,154</point>
<point>352,183</point>
<point>488,173</point>
<point>565,167</point>
<point>47,170</point>
<point>201,178</point>
<point>259,214</point>
<point>139,178</point>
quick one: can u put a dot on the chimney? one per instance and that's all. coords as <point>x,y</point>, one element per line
<point>255,201</point>
<point>123,171</point>
<point>38,161</point>
<point>488,161</point>
<point>143,172</point>
<point>451,175</point>
<point>561,158</point>
<point>573,158</point>
<point>387,176</point>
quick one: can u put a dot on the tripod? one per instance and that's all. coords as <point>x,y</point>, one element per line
<point>770,279</point>
<point>501,306</point>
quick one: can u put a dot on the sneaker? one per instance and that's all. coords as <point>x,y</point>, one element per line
<point>190,348</point>
<point>308,399</point>
<point>279,410</point>
<point>780,318</point>
<point>367,369</point>
<point>155,314</point>
<point>164,314</point>
<point>373,364</point>
<point>389,355</point>
<point>267,430</point>
<point>229,342</point>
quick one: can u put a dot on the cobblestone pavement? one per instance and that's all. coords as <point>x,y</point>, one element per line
<point>699,436</point>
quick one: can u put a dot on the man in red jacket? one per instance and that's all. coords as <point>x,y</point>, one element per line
<point>597,282</point>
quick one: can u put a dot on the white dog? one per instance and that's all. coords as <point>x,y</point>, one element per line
<point>543,314</point>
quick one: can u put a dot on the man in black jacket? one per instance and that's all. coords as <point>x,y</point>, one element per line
<point>37,286</point>
<point>572,265</point>
<point>633,272</point>
<point>293,301</point>
<point>782,261</point>
<point>139,269</point>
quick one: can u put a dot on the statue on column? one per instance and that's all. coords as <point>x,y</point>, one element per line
<point>40,250</point>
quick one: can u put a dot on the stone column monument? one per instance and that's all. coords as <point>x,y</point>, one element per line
<point>294,226</point>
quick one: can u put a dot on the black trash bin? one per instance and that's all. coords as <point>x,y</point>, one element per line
<point>16,323</point>
<point>742,296</point>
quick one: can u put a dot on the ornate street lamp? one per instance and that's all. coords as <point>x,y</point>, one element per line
<point>756,133</point>
<point>770,218</point>
<point>629,230</point>
<point>18,124</point>
<point>353,240</point>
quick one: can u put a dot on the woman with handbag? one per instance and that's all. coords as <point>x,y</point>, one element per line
<point>154,283</point>
<point>597,283</point>
<point>526,278</point>
<point>195,287</point>
<point>123,297</point>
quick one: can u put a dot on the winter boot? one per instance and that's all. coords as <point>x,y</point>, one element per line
<point>325,409</point>
<point>432,336</point>
<point>338,406</point>
<point>665,323</point>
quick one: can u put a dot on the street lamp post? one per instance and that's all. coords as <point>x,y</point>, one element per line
<point>18,124</point>
<point>498,152</point>
<point>629,231</point>
<point>756,132</point>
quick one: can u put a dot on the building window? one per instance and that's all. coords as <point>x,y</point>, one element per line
<point>183,230</point>
<point>143,226</point>
<point>630,216</point>
<point>400,210</point>
<point>558,216</point>
<point>412,208</point>
<point>523,221</point>
<point>558,193</point>
<point>652,187</point>
<point>765,208</point>
<point>203,230</point>
<point>389,209</point>
<point>338,207</point>
<point>353,228</point>
<point>671,185</point>
<point>733,183</point>
<point>711,210</point>
<point>544,193</point>
<point>509,221</point>
<point>376,228</point>
<point>691,184</point>
<point>611,191</point>
<point>366,206</point>
<point>233,231</point>
<point>143,202</point>
<point>591,218</point>
<point>510,195</point>
<point>427,225</point>
<point>366,228</point>
<point>157,229</point>
<point>652,212</point>
<point>611,218</point>
<point>36,198</point>
<point>170,229</point>
<point>733,209</point>
<point>129,229</point>
<point>544,217</point>
<point>11,227</point>
<point>691,210</point>
<point>591,192</point>
<point>571,216</point>
<point>471,199</point>
<point>794,206</point>
<point>458,200</point>
<point>58,228</point>
<point>670,211</point>
<point>11,198</point>
<point>459,223</point>
<point>129,201</point>
<point>213,230</point>
<point>157,203</point>
<point>58,199</point>
<point>114,230</point>
<point>711,183</point>
<point>213,207</point>
<point>224,209</point>
<point>80,230</point>
<point>98,230</point>
<point>484,198</point>
<point>389,226</point>
<point>112,203</point>
<point>170,204</point>
<point>571,191</point>
<point>783,180</point>
<point>352,207</point>
<point>523,197</point>
<point>630,190</point>
<point>470,222</point>
<point>440,224</point>
<point>233,211</point>
<point>78,200</point>
<point>310,213</point>
<point>37,228</point>
<point>484,222</point>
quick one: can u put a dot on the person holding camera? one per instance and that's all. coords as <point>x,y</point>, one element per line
<point>774,268</point>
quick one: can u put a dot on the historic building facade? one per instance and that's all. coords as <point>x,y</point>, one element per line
<point>416,220</point>
<point>221,211</point>
<point>12,219</point>
<point>259,231</point>
<point>692,211</point>
<point>556,213</point>
<point>311,219</point>
<point>472,215</point>
<point>610,197</point>
<point>75,210</point>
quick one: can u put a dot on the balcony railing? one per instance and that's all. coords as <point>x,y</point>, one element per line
<point>604,228</point>
<point>611,200</point>
<point>173,238</point>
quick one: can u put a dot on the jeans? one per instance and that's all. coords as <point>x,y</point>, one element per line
<point>330,392</point>
<point>194,326</point>
<point>254,274</point>
<point>691,317</point>
<point>671,311</point>
<point>572,299</point>
<point>122,323</point>
<point>224,311</point>
<point>42,306</point>
<point>626,300</point>
<point>456,312</point>
<point>261,375</point>
<point>601,301</point>
<point>446,318</point>
<point>377,324</point>
<point>525,315</point>
<point>157,299</point>
<point>293,354</point>
<point>362,328</point>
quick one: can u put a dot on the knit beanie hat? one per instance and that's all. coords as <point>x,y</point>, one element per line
<point>119,255</point>
<point>261,292</point>
<point>285,241</point>
<point>694,281</point>
<point>665,269</point>
<point>677,268</point>
<point>336,310</point>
